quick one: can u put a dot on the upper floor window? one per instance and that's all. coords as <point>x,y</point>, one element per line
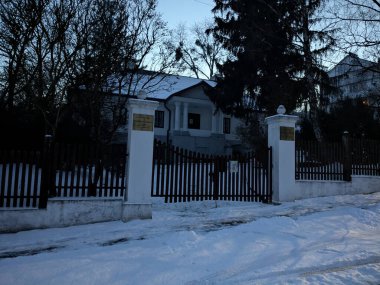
<point>159,119</point>
<point>194,121</point>
<point>227,125</point>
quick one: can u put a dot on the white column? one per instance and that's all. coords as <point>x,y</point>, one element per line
<point>214,120</point>
<point>177,115</point>
<point>137,200</point>
<point>281,138</point>
<point>185,116</point>
<point>221,118</point>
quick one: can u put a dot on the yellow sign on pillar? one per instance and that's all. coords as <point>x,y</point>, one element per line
<point>286,133</point>
<point>143,122</point>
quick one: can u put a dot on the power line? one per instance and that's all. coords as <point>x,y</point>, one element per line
<point>201,2</point>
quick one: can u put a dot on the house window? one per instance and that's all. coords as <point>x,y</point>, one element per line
<point>159,118</point>
<point>227,125</point>
<point>194,121</point>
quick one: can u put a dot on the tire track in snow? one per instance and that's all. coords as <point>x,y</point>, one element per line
<point>228,277</point>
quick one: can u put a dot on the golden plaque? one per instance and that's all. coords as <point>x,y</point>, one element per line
<point>143,122</point>
<point>286,133</point>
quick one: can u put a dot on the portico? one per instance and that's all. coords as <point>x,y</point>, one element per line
<point>210,119</point>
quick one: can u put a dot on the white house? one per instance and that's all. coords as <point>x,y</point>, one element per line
<point>187,118</point>
<point>353,78</point>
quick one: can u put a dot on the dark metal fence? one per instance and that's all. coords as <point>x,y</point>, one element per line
<point>87,170</point>
<point>338,160</point>
<point>20,178</point>
<point>29,178</point>
<point>320,161</point>
<point>365,157</point>
<point>180,175</point>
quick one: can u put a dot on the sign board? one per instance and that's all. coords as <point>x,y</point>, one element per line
<point>286,133</point>
<point>233,166</point>
<point>143,122</point>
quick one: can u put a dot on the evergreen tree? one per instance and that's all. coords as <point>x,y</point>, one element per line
<point>263,67</point>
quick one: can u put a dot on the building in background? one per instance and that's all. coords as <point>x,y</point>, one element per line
<point>187,118</point>
<point>355,78</point>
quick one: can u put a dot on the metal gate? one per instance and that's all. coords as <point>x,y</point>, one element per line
<point>180,175</point>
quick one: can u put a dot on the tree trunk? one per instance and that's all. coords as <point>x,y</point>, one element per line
<point>309,74</point>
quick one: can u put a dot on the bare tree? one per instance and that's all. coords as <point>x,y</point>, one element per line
<point>48,47</point>
<point>313,41</point>
<point>359,26</point>
<point>18,22</point>
<point>197,51</point>
<point>51,60</point>
<point>127,49</point>
<point>39,66</point>
<point>358,22</point>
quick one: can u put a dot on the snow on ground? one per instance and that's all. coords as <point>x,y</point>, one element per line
<point>333,240</point>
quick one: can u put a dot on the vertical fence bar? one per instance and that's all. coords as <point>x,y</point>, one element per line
<point>249,175</point>
<point>10,178</point>
<point>31,164</point>
<point>347,157</point>
<point>162,168</point>
<point>185,177</point>
<point>202,174</point>
<point>72,169</point>
<point>225,177</point>
<point>102,170</point>
<point>4,163</point>
<point>77,169</point>
<point>86,167</point>
<point>16,179</point>
<point>156,166</point>
<point>66,168</point>
<point>206,177</point>
<point>60,169</point>
<point>37,178</point>
<point>175,164</point>
<point>189,177</point>
<point>154,169</point>
<point>171,149</point>
<point>180,183</point>
<point>115,154</point>
<point>46,173</point>
<point>24,160</point>
<point>194,162</point>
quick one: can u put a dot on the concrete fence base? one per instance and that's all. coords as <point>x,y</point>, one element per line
<point>305,189</point>
<point>61,213</point>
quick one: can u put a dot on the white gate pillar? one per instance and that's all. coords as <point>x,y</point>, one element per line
<point>281,137</point>
<point>137,198</point>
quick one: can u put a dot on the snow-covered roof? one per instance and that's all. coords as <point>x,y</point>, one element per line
<point>161,86</point>
<point>350,62</point>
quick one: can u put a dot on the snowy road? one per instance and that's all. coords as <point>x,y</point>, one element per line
<point>334,240</point>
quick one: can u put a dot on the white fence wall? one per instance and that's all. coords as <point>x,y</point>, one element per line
<point>317,188</point>
<point>60,213</point>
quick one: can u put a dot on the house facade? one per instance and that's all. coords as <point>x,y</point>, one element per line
<point>187,118</point>
<point>355,78</point>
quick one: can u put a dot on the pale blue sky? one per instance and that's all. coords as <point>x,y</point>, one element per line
<point>187,12</point>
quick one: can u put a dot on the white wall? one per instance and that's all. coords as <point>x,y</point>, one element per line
<point>360,185</point>
<point>61,213</point>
